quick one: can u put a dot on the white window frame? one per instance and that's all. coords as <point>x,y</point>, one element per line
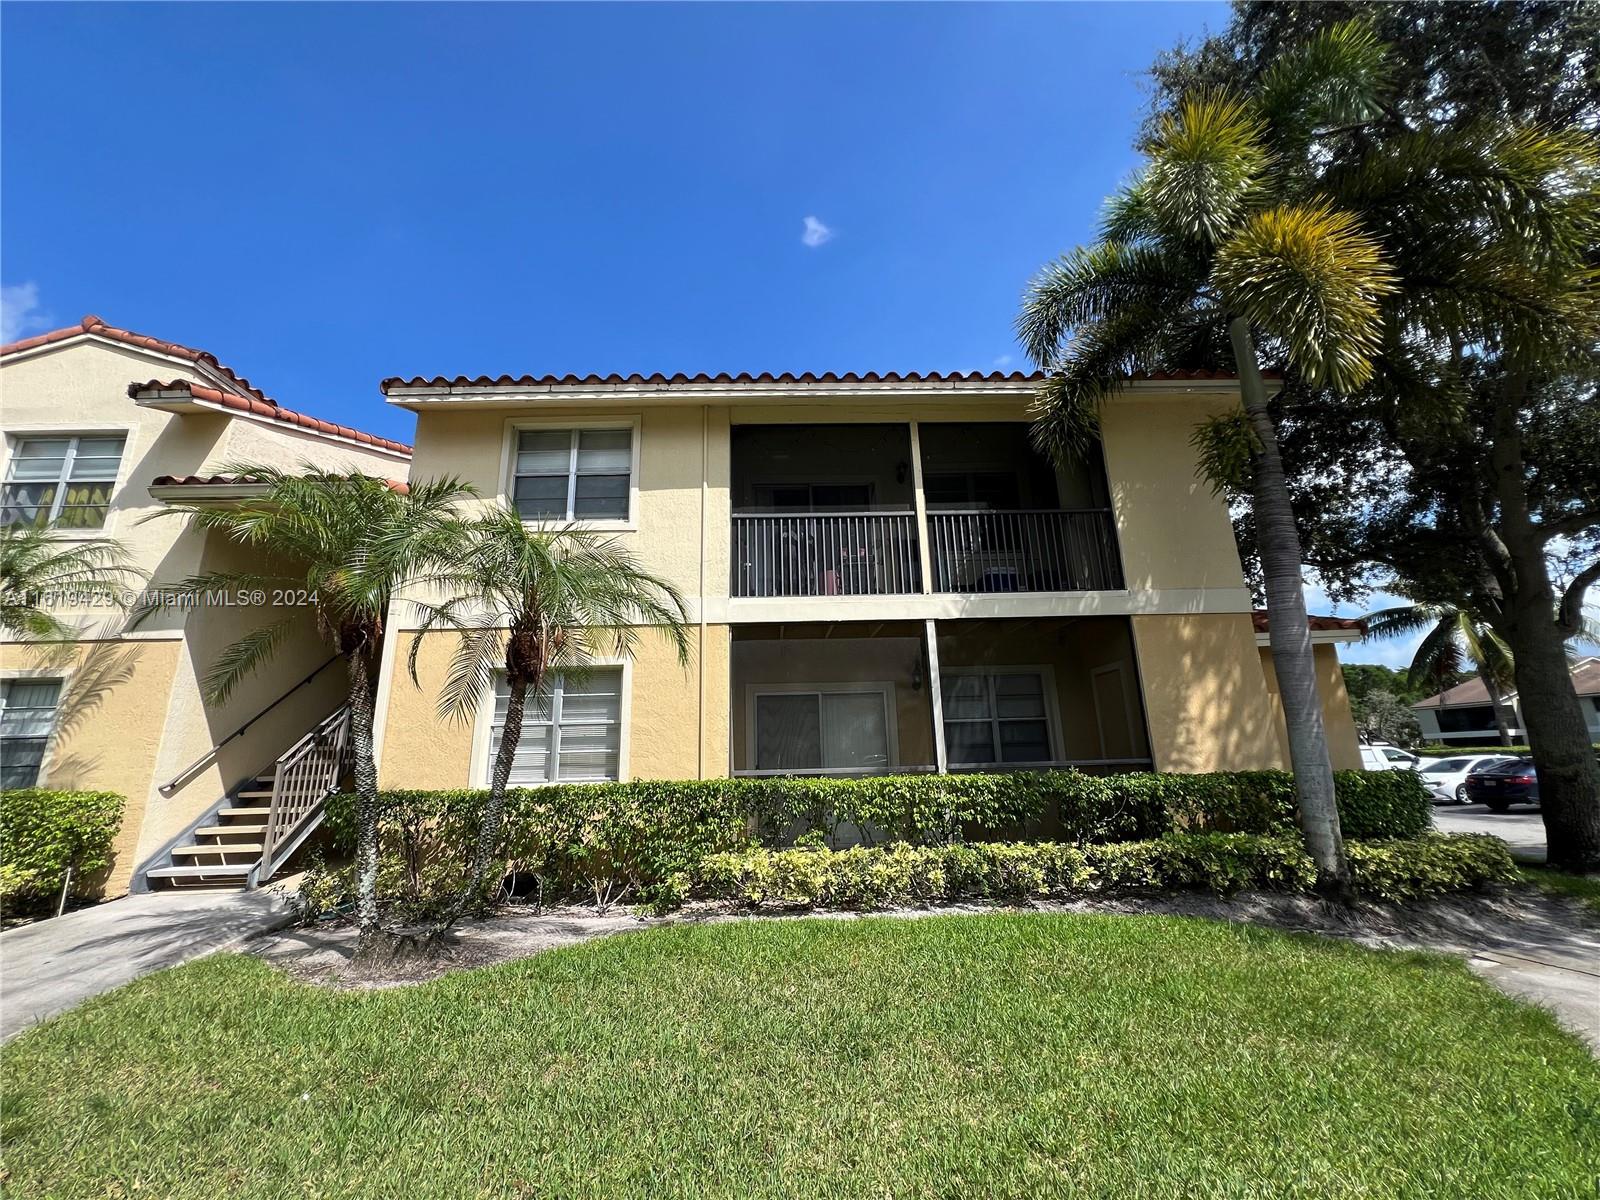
<point>891,723</point>
<point>1052,715</point>
<point>508,468</point>
<point>15,434</point>
<point>42,675</point>
<point>483,727</point>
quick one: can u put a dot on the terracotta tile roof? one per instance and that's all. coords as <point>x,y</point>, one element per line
<point>264,407</point>
<point>826,377</point>
<point>247,397</point>
<point>395,485</point>
<point>1258,618</point>
<point>92,324</point>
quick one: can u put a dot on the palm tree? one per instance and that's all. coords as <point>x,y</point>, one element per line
<point>351,542</point>
<point>36,562</point>
<point>1457,637</point>
<point>1454,638</point>
<point>528,602</point>
<point>1223,247</point>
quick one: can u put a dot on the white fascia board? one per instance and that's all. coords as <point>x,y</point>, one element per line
<point>1319,637</point>
<point>555,395</point>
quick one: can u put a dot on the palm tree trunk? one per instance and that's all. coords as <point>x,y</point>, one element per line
<point>1496,701</point>
<point>366,773</point>
<point>1278,543</point>
<point>495,809</point>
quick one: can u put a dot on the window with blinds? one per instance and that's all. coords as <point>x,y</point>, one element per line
<point>27,715</point>
<point>995,718</point>
<point>62,481</point>
<point>571,731</point>
<point>573,474</point>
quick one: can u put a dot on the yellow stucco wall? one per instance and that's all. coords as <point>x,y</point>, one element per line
<point>1344,748</point>
<point>1204,693</point>
<point>669,733</point>
<point>1173,530</point>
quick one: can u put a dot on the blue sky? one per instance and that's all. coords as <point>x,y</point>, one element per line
<point>326,195</point>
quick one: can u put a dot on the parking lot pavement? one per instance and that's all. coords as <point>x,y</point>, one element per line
<point>1522,828</point>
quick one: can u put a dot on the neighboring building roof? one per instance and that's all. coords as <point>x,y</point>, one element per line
<point>1585,681</point>
<point>243,396</point>
<point>745,378</point>
<point>1258,618</point>
<point>155,389</point>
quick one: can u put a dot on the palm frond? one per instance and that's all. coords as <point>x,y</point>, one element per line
<point>1403,621</point>
<point>1207,159</point>
<point>1091,284</point>
<point>1437,660</point>
<point>243,657</point>
<point>1313,278</point>
<point>36,563</point>
<point>1336,77</point>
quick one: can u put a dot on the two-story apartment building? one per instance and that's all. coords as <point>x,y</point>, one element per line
<point>882,575</point>
<point>102,429</point>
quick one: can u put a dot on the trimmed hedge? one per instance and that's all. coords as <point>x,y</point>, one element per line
<point>641,839</point>
<point>1445,750</point>
<point>43,832</point>
<point>866,878</point>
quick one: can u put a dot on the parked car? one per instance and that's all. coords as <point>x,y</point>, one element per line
<point>1388,758</point>
<point>1504,784</point>
<point>1446,778</point>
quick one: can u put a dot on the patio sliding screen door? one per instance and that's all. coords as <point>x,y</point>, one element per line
<point>822,730</point>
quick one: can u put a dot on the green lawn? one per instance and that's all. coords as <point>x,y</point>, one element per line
<point>993,1056</point>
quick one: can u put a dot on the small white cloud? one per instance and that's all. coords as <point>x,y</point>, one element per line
<point>1005,360</point>
<point>816,233</point>
<point>20,313</point>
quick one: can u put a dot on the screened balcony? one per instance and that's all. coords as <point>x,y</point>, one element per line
<point>824,510</point>
<point>831,510</point>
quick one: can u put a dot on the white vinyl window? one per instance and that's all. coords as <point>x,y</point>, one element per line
<point>571,731</point>
<point>27,715</point>
<point>999,717</point>
<point>64,481</point>
<point>573,474</point>
<point>830,729</point>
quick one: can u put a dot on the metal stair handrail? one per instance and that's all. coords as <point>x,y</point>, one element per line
<point>303,778</point>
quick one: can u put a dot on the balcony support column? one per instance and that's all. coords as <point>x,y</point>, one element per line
<point>935,695</point>
<point>924,557</point>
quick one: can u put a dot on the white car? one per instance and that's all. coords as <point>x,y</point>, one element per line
<point>1388,758</point>
<point>1446,778</point>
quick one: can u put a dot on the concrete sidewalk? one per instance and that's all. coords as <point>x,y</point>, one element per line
<point>50,966</point>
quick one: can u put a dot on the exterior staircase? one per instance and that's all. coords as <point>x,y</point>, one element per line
<point>247,837</point>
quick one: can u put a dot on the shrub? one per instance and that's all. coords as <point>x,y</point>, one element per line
<point>43,832</point>
<point>641,840</point>
<point>1415,868</point>
<point>864,878</point>
<point>1444,750</point>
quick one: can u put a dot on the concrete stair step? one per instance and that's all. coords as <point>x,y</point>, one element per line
<point>219,869</point>
<point>225,848</point>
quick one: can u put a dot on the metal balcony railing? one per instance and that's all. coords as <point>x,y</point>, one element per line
<point>825,554</point>
<point>1023,550</point>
